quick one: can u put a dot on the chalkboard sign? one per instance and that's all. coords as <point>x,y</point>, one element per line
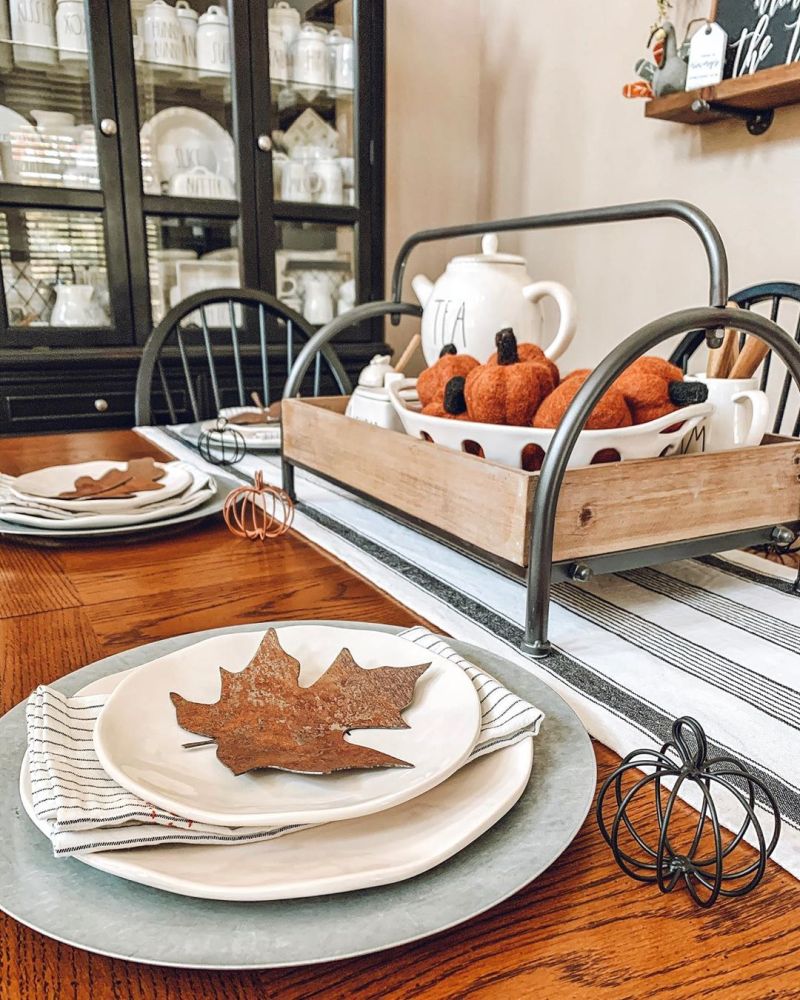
<point>761,34</point>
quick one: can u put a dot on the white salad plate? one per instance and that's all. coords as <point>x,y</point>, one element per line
<point>140,743</point>
<point>335,857</point>
<point>177,139</point>
<point>48,483</point>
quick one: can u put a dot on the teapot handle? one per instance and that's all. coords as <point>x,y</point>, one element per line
<point>566,306</point>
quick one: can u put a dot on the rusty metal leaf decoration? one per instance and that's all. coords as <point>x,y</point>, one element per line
<point>265,719</point>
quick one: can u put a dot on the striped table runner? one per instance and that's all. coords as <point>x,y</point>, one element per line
<point>716,638</point>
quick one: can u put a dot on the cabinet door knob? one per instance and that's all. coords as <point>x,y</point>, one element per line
<point>264,143</point>
<point>101,405</point>
<point>108,126</point>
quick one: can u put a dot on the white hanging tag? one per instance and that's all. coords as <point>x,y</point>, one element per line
<point>707,51</point>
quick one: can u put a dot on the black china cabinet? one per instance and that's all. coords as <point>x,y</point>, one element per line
<point>150,149</point>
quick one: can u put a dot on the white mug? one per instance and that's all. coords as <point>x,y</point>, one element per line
<point>294,181</point>
<point>163,37</point>
<point>73,44</point>
<point>326,182</point>
<point>213,43</point>
<point>740,418</point>
<point>33,30</point>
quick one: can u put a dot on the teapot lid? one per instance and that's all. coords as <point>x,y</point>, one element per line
<point>489,254</point>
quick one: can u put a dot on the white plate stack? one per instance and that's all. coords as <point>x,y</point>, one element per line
<point>178,819</point>
<point>36,500</point>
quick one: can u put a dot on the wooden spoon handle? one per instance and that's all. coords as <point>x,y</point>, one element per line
<point>753,353</point>
<point>722,359</point>
<point>405,357</point>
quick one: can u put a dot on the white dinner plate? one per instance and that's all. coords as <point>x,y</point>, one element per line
<point>139,741</point>
<point>337,857</point>
<point>48,483</point>
<point>257,438</point>
<point>176,139</point>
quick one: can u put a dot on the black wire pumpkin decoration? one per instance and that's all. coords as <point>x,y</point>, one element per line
<point>222,444</point>
<point>705,872</point>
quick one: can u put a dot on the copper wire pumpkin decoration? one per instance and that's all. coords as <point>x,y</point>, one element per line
<point>259,511</point>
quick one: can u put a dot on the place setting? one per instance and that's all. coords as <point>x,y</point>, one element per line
<point>94,499</point>
<point>319,769</point>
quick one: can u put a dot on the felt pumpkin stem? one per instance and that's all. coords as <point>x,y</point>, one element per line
<point>448,349</point>
<point>507,353</point>
<point>687,393</point>
<point>454,401</point>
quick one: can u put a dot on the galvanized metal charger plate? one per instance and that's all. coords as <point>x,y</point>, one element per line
<point>73,903</point>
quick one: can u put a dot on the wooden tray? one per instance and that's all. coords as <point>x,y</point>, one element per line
<point>602,509</point>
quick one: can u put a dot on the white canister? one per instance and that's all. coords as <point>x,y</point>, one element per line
<point>310,61</point>
<point>341,61</point>
<point>187,18</point>
<point>326,182</point>
<point>278,57</point>
<point>213,43</point>
<point>73,45</point>
<point>33,29</point>
<point>279,161</point>
<point>163,37</point>
<point>284,19</point>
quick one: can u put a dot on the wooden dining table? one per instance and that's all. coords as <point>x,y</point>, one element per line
<point>582,929</point>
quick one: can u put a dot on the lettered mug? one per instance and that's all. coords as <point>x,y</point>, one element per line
<point>740,418</point>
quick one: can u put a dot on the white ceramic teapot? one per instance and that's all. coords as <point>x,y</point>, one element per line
<point>482,293</point>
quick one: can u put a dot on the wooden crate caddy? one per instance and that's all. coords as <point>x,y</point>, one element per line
<point>602,509</point>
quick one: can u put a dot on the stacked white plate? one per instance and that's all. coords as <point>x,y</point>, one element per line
<point>370,827</point>
<point>257,437</point>
<point>35,499</point>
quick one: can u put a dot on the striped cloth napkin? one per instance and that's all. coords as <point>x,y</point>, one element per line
<point>85,810</point>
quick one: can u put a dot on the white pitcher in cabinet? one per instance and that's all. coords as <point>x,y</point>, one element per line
<point>480,294</point>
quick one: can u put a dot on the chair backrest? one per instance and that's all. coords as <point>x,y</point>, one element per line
<point>780,301</point>
<point>215,348</point>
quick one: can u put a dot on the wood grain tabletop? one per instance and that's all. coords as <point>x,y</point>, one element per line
<point>581,930</point>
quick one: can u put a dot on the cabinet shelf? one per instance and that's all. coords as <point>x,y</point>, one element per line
<point>763,91</point>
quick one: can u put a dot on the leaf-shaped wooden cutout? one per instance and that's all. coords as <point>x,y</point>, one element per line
<point>140,475</point>
<point>264,718</point>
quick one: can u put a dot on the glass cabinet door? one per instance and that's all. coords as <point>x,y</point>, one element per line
<point>185,59</point>
<point>60,220</point>
<point>313,120</point>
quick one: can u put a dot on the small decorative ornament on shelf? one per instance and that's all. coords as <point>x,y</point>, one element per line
<point>222,444</point>
<point>710,865</point>
<point>259,511</point>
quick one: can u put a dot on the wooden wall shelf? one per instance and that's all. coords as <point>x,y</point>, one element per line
<point>763,91</point>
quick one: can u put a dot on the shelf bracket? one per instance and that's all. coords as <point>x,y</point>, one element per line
<point>757,122</point>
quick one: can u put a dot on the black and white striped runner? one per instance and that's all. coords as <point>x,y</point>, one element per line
<point>716,638</point>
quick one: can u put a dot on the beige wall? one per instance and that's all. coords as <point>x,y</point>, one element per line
<point>432,162</point>
<point>509,107</point>
<point>556,134</point>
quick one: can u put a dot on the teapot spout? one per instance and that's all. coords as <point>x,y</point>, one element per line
<point>422,288</point>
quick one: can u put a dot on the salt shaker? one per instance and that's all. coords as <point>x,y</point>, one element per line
<point>213,43</point>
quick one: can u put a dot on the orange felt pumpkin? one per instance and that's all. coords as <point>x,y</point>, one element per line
<point>454,405</point>
<point>431,383</point>
<point>653,387</point>
<point>611,411</point>
<point>510,391</point>
<point>532,352</point>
